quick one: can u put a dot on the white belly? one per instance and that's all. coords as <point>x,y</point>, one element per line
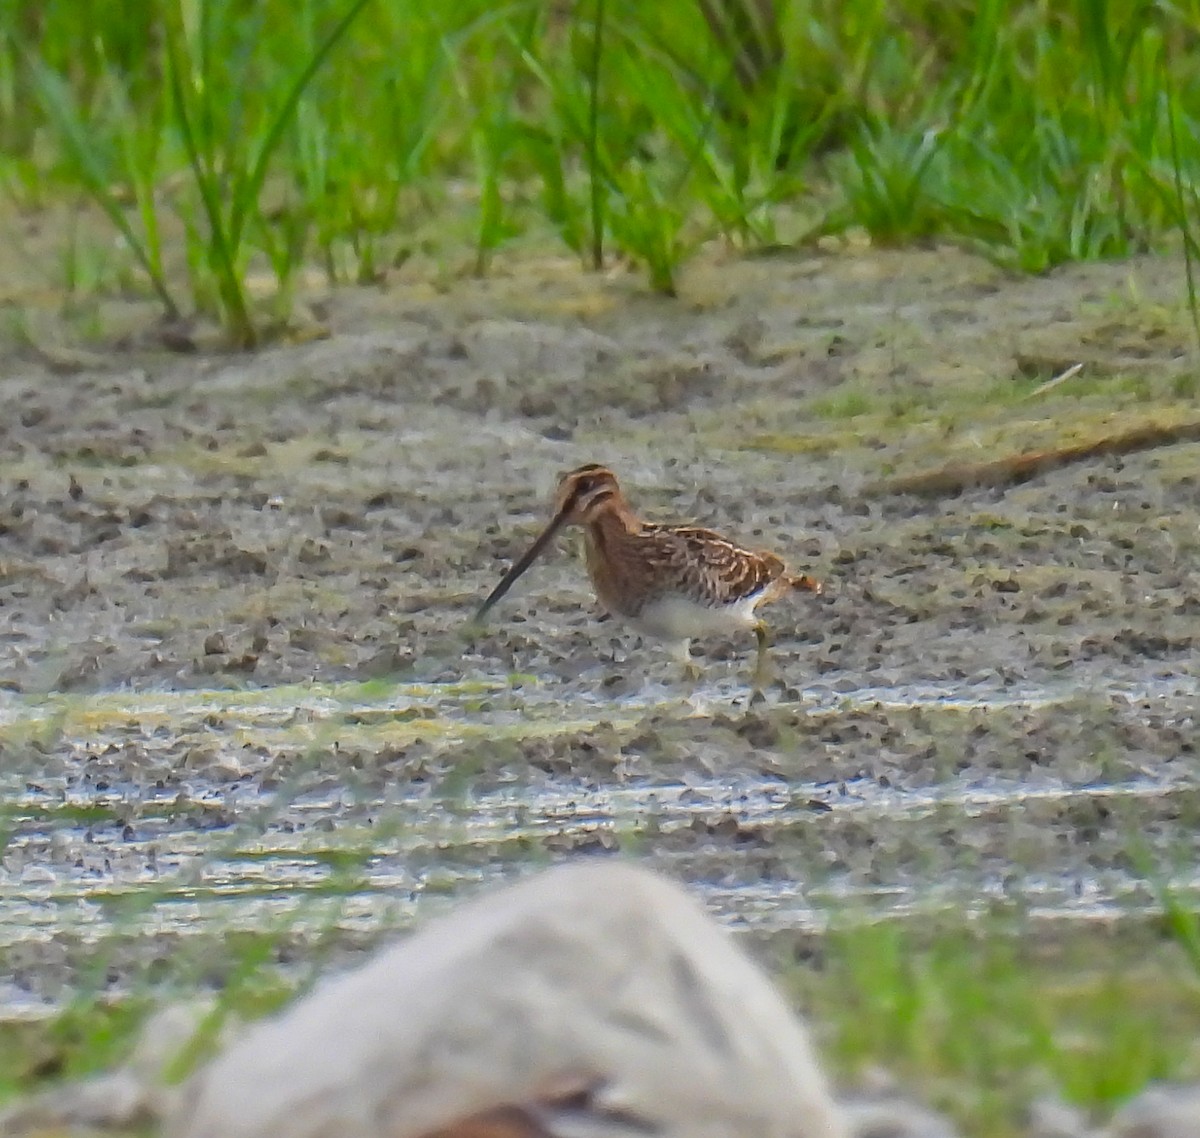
<point>677,618</point>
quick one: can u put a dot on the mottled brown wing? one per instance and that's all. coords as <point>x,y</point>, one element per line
<point>712,568</point>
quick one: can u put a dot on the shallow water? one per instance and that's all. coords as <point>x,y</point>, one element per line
<point>351,808</point>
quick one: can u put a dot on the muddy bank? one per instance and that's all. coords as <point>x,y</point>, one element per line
<point>330,511</point>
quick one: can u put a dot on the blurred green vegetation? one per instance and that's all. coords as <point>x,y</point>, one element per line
<point>274,137</point>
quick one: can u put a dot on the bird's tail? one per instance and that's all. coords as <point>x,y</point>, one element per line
<point>806,583</point>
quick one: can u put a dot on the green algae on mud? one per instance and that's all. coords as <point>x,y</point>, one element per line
<point>254,704</point>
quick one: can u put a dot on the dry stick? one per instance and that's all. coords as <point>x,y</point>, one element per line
<point>1015,469</point>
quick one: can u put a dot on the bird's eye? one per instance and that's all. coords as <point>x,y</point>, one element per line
<point>584,485</point>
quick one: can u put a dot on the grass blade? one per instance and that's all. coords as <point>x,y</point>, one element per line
<point>592,151</point>
<point>74,134</point>
<point>251,186</point>
<point>230,287</point>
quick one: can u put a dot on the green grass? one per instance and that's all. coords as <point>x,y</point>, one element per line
<point>980,1021</point>
<point>234,147</point>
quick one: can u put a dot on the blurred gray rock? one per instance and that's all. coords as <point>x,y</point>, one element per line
<point>591,1000</point>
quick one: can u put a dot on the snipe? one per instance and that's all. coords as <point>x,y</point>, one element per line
<point>669,582</point>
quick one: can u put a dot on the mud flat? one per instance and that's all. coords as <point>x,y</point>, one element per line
<point>237,698</point>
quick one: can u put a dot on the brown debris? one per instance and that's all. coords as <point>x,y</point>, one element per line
<point>948,481</point>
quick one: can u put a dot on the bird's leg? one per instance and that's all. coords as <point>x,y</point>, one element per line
<point>762,663</point>
<point>691,670</point>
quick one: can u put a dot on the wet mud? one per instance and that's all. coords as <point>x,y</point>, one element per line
<point>237,693</point>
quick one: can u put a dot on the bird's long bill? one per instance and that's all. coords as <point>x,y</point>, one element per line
<point>527,558</point>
